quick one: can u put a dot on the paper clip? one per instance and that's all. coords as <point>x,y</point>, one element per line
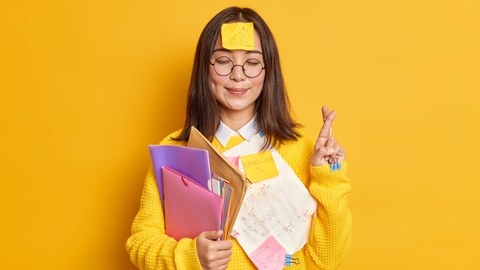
<point>289,260</point>
<point>335,166</point>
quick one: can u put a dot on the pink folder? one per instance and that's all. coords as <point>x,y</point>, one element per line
<point>189,207</point>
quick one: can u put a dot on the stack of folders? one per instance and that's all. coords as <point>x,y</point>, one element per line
<point>198,187</point>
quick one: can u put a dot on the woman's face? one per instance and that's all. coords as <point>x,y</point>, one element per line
<point>235,92</point>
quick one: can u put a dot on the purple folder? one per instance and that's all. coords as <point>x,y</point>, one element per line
<point>191,162</point>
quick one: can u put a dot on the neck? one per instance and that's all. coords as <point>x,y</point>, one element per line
<point>236,119</point>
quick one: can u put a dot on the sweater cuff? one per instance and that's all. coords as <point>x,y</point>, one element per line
<point>326,177</point>
<point>186,254</point>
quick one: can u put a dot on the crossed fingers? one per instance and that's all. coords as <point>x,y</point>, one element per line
<point>327,150</point>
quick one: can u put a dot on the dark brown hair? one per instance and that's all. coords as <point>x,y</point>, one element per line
<point>272,106</point>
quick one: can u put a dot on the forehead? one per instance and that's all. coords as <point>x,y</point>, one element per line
<point>257,43</point>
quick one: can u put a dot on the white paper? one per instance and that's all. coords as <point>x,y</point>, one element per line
<point>280,206</point>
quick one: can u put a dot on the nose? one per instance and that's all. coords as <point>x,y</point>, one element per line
<point>237,73</point>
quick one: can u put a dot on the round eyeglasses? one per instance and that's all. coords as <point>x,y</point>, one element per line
<point>223,66</point>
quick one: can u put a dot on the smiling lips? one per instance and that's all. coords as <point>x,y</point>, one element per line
<point>236,91</point>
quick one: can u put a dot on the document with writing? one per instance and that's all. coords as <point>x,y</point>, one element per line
<point>280,206</point>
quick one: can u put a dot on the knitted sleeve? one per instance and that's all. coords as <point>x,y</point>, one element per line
<point>330,234</point>
<point>148,246</point>
<point>331,228</point>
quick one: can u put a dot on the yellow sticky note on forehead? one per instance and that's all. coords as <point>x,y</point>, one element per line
<point>259,167</point>
<point>238,36</point>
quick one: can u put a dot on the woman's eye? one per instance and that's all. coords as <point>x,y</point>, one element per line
<point>253,63</point>
<point>223,61</point>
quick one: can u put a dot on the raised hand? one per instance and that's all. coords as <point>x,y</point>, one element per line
<point>327,150</point>
<point>211,253</point>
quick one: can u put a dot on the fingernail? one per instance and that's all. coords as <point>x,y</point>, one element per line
<point>330,150</point>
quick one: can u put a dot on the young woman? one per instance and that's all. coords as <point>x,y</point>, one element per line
<point>237,97</point>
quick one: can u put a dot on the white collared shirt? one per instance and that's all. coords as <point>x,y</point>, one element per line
<point>224,132</point>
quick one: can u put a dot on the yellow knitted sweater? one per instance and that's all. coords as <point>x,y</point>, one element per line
<point>150,248</point>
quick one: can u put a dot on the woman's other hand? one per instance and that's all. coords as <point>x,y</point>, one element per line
<point>213,254</point>
<point>327,150</point>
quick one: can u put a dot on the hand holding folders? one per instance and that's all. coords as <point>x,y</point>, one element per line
<point>189,206</point>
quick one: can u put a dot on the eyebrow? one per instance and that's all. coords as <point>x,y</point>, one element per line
<point>226,50</point>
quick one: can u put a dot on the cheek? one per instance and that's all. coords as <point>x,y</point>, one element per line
<point>216,82</point>
<point>215,79</point>
<point>258,81</point>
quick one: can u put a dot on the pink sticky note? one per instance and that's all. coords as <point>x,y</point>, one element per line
<point>234,160</point>
<point>270,255</point>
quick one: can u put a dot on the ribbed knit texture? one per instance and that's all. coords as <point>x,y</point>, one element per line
<point>150,248</point>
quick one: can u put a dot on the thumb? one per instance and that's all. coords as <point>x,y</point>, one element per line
<point>213,235</point>
<point>318,157</point>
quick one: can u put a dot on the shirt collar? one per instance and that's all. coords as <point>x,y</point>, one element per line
<point>224,132</point>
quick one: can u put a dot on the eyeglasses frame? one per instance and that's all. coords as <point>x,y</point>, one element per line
<point>243,69</point>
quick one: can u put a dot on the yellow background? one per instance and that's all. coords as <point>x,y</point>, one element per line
<point>87,85</point>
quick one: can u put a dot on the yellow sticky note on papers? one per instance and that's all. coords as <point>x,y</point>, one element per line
<point>238,36</point>
<point>259,167</point>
